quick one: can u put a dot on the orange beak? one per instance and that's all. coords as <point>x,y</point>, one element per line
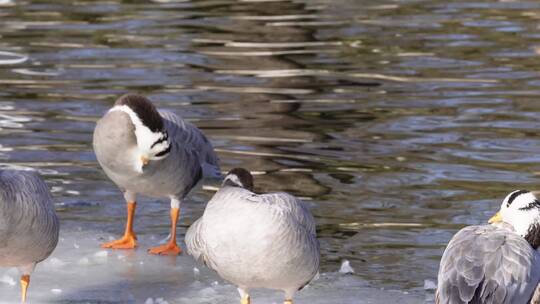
<point>144,160</point>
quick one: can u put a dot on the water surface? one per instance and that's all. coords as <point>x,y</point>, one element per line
<point>398,121</point>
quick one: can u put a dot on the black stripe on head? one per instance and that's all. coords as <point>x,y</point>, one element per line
<point>244,177</point>
<point>162,139</point>
<point>164,151</point>
<point>144,109</point>
<point>514,195</point>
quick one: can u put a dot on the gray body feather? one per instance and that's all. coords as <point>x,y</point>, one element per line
<point>174,176</point>
<point>488,264</point>
<point>252,240</point>
<point>28,223</point>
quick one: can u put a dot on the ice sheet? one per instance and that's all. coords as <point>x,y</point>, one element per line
<point>80,272</point>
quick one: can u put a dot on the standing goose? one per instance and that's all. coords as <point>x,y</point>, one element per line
<point>28,223</point>
<point>256,241</point>
<point>153,153</point>
<point>497,263</point>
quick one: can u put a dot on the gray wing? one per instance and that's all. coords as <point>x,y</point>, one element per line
<point>287,206</point>
<point>28,223</point>
<point>486,264</point>
<point>291,205</point>
<point>190,137</point>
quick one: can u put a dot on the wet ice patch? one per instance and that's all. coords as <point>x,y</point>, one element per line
<point>8,280</point>
<point>91,274</point>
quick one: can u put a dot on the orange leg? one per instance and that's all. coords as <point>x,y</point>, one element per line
<point>25,281</point>
<point>171,248</point>
<point>129,240</point>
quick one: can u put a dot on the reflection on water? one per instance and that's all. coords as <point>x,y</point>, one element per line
<point>397,121</point>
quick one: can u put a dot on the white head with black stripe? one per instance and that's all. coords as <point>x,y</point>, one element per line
<point>520,209</point>
<point>153,142</point>
<point>239,177</point>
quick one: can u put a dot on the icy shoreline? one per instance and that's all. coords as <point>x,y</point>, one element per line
<point>80,272</point>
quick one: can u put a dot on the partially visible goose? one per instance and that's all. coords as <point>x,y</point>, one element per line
<point>28,222</point>
<point>256,241</point>
<point>497,263</point>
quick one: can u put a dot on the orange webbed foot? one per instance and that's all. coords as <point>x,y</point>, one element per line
<point>171,248</point>
<point>128,241</point>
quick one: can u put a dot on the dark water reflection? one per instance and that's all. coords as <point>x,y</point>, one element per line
<point>398,121</point>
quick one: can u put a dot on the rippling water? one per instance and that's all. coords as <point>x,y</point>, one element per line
<point>398,121</point>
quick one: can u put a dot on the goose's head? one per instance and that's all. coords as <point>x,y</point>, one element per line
<point>239,177</point>
<point>521,210</point>
<point>153,142</point>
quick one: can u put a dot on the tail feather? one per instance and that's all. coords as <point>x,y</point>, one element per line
<point>211,171</point>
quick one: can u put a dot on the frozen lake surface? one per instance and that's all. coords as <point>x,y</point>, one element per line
<point>80,272</point>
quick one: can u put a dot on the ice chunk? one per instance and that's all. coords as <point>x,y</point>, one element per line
<point>346,267</point>
<point>429,285</point>
<point>56,291</point>
<point>196,272</point>
<point>149,301</point>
